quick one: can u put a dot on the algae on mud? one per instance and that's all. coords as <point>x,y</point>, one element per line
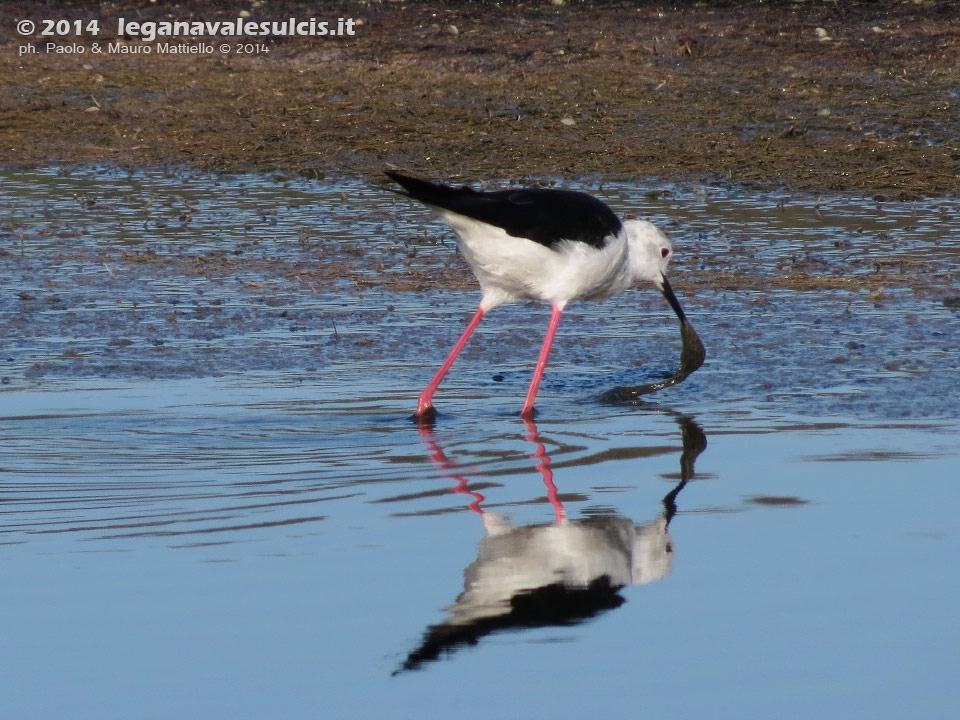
<point>819,97</point>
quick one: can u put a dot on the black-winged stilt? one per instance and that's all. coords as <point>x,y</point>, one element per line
<point>550,245</point>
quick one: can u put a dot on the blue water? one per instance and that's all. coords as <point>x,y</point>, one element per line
<point>209,544</point>
<point>778,534</point>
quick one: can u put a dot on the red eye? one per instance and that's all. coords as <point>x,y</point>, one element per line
<point>664,252</point>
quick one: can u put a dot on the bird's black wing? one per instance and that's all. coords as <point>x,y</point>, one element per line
<point>542,215</point>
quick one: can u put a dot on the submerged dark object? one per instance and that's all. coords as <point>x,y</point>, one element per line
<point>692,357</point>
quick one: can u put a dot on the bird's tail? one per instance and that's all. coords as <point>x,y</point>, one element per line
<point>425,191</point>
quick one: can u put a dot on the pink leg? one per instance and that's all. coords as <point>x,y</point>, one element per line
<point>527,410</point>
<point>424,405</point>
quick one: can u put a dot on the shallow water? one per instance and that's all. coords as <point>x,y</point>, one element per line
<point>242,518</point>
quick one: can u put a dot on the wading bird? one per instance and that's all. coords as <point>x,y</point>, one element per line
<point>550,245</point>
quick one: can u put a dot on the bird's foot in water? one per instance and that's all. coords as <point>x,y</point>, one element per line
<point>425,416</point>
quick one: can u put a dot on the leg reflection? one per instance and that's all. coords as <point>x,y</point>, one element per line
<point>533,435</point>
<point>441,460</point>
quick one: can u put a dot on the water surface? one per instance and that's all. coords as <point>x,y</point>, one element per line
<point>228,509</point>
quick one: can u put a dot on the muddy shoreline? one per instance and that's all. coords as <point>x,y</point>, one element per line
<point>813,97</point>
<point>181,274</point>
<point>184,266</point>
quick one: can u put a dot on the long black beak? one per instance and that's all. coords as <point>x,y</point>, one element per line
<point>672,299</point>
<point>693,353</point>
<point>692,356</point>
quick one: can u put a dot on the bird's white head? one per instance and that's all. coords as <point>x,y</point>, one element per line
<point>648,252</point>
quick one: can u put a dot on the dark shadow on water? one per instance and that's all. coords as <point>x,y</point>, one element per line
<point>555,574</point>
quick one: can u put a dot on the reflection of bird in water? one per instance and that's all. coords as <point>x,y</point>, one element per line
<point>558,573</point>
